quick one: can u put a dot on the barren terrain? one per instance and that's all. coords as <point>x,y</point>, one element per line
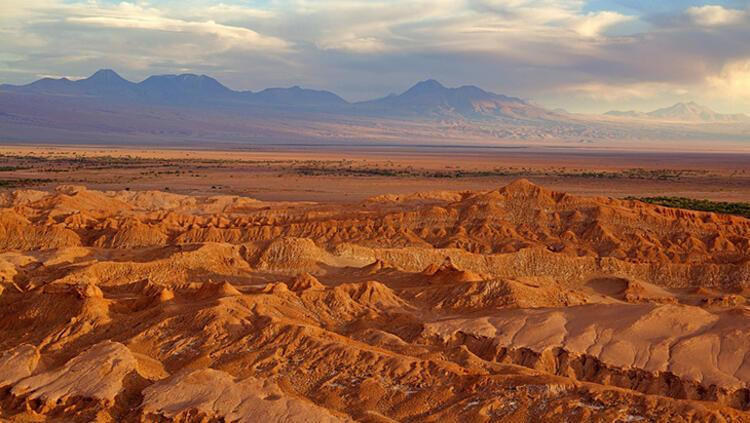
<point>512,302</point>
<point>349,173</point>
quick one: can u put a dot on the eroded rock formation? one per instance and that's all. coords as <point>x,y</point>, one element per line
<point>472,306</point>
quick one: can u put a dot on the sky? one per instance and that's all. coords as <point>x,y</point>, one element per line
<point>584,56</point>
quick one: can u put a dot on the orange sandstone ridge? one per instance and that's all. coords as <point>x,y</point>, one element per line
<point>516,304</point>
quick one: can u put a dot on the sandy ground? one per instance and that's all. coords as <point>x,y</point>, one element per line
<point>346,174</point>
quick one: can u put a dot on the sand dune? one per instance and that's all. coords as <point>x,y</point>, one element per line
<point>517,303</point>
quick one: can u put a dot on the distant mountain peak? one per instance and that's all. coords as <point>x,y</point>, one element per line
<point>186,87</point>
<point>430,82</point>
<point>426,85</point>
<point>686,105</point>
<point>105,77</point>
<point>689,111</point>
<point>104,73</point>
<point>183,77</point>
<point>430,98</point>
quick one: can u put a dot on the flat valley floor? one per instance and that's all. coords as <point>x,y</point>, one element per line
<point>342,174</point>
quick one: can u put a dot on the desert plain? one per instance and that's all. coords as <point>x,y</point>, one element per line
<point>342,173</point>
<point>372,284</point>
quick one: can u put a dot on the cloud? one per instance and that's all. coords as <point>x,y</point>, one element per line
<point>577,50</point>
<point>612,93</point>
<point>594,24</point>
<point>233,36</point>
<point>715,15</point>
<point>733,81</point>
<point>133,16</point>
<point>355,44</point>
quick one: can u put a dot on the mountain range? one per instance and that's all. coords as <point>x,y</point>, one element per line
<point>426,98</point>
<point>683,112</point>
<point>197,108</point>
<point>185,89</point>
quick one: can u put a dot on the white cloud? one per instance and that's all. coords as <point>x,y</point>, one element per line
<point>715,15</point>
<point>133,16</point>
<point>595,23</point>
<point>236,37</point>
<point>226,12</point>
<point>355,44</point>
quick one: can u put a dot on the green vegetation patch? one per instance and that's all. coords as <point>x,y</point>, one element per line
<point>739,209</point>
<point>20,183</point>
<point>327,168</point>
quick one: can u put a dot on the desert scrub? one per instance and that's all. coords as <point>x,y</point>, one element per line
<point>19,183</point>
<point>739,209</point>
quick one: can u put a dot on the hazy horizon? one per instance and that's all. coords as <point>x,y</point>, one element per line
<point>392,93</point>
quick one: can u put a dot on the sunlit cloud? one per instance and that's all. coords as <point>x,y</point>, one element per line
<point>593,24</point>
<point>234,36</point>
<point>134,16</point>
<point>715,15</point>
<point>732,82</point>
